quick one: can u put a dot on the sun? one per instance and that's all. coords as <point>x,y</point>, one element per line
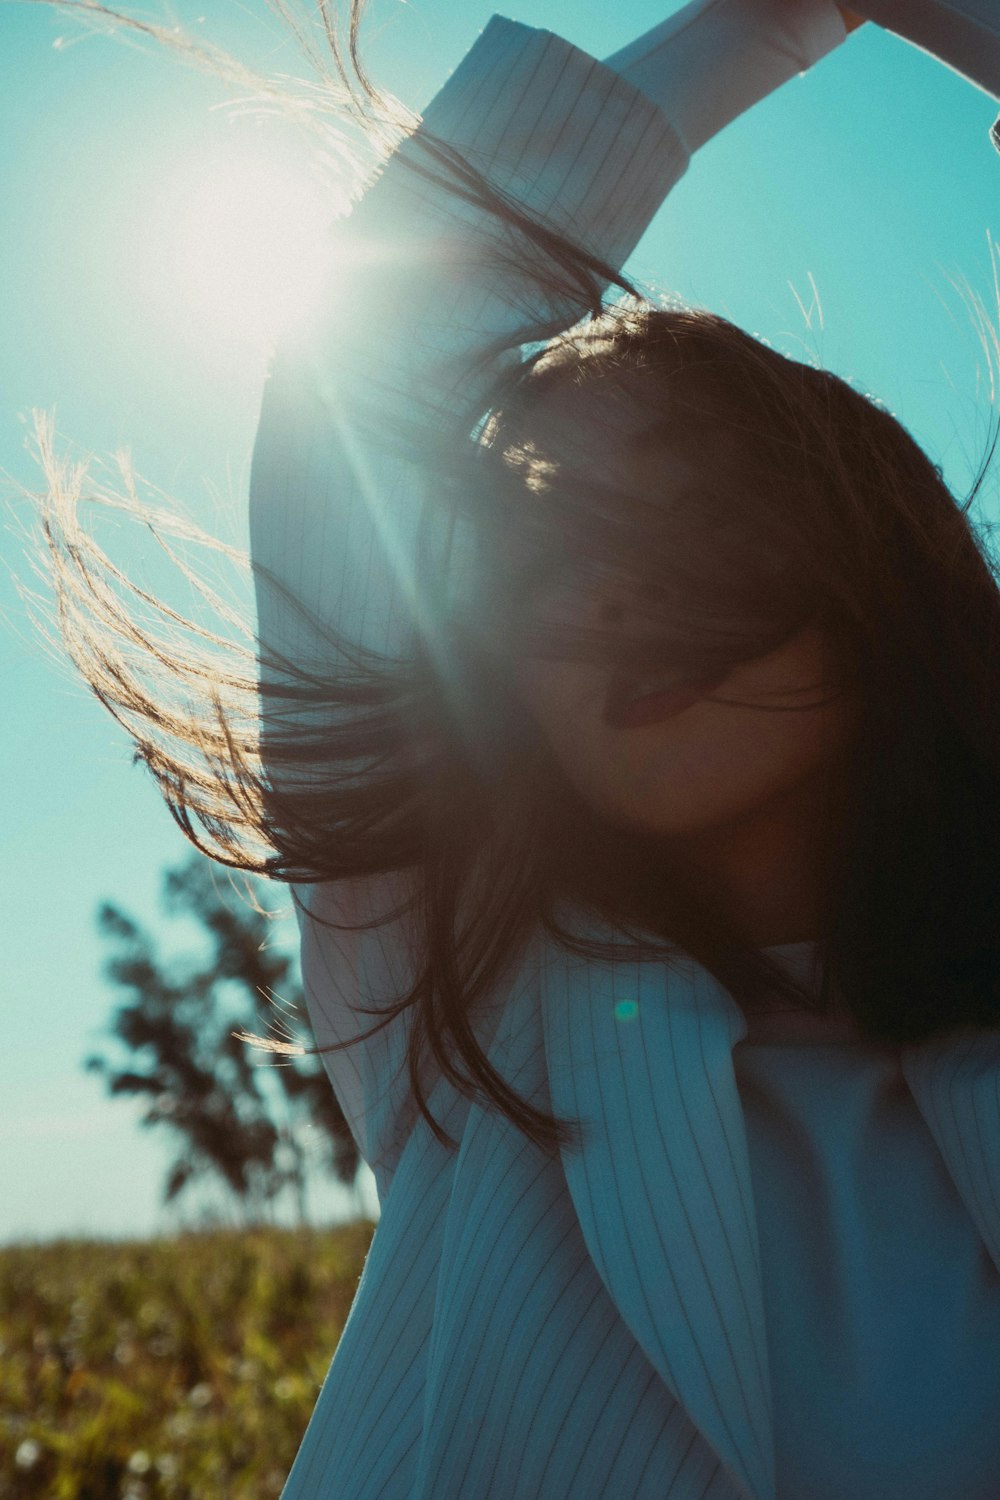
<point>239,240</point>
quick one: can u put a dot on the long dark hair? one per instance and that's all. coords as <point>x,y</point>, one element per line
<point>813,503</point>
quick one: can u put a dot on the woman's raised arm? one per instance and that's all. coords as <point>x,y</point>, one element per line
<point>423,284</point>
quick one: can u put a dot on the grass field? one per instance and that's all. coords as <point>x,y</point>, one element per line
<point>173,1369</point>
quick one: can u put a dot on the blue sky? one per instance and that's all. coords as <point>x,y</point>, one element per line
<point>834,220</point>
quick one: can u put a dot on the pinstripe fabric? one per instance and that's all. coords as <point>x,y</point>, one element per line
<point>590,1326</point>
<point>884,1362</point>
<point>956,1083</point>
<point>333,514</point>
<point>500,1343</point>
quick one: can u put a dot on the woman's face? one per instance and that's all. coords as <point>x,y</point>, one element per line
<point>726,758</point>
<point>729,757</point>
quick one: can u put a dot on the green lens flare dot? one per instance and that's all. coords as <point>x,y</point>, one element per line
<point>626,1010</point>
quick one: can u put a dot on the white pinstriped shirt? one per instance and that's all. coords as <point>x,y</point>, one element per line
<point>774,1270</point>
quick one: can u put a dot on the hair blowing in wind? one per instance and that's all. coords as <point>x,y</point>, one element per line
<point>812,503</point>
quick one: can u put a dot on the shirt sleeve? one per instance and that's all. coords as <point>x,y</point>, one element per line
<point>754,49</point>
<point>420,291</point>
<point>963,34</point>
<point>417,297</point>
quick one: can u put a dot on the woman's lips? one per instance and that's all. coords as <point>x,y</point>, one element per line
<point>625,711</point>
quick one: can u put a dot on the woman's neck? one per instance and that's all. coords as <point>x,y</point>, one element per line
<point>770,873</point>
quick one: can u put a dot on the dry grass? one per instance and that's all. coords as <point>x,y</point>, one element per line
<point>172,1369</point>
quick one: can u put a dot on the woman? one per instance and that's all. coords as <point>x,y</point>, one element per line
<point>628,729</point>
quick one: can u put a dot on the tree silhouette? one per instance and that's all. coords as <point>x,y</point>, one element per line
<point>177,1024</point>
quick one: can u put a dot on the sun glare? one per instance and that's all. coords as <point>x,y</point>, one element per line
<point>238,243</point>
